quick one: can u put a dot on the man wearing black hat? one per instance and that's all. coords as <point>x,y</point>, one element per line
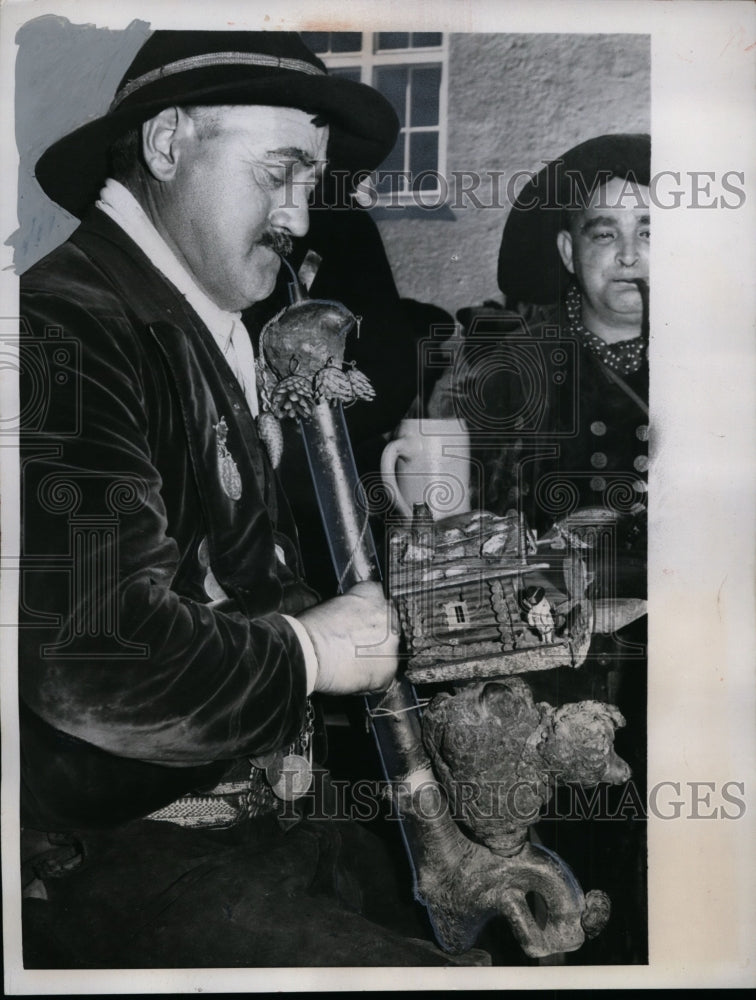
<point>571,357</point>
<point>555,388</point>
<point>167,634</point>
<point>555,393</point>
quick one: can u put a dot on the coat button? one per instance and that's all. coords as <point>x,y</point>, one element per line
<point>598,460</point>
<point>598,483</point>
<point>598,427</point>
<point>640,464</point>
<point>641,432</point>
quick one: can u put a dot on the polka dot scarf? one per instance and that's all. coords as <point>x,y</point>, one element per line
<point>625,357</point>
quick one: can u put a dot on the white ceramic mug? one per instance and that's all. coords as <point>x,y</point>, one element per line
<point>429,462</point>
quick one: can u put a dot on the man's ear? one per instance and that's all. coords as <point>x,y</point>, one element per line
<point>161,141</point>
<point>564,246</point>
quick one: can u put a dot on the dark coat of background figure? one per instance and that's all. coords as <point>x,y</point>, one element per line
<point>354,271</point>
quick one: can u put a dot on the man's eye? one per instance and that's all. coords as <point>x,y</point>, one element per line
<point>602,236</point>
<point>645,234</point>
<point>272,175</point>
<point>274,178</point>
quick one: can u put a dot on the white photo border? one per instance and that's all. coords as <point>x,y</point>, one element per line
<point>702,689</point>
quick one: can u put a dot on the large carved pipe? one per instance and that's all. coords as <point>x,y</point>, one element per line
<point>462,884</point>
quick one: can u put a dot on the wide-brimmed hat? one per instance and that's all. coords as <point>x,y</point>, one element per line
<point>214,68</point>
<point>530,269</point>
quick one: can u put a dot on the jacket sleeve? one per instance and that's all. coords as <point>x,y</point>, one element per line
<point>111,651</point>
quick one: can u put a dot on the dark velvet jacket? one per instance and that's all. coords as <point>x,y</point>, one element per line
<point>134,686</point>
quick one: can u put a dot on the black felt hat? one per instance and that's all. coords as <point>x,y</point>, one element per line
<point>530,269</point>
<point>214,68</point>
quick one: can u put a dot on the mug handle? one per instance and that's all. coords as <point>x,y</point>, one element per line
<point>391,452</point>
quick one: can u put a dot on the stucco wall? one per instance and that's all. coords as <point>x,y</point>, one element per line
<point>514,101</point>
<point>66,74</point>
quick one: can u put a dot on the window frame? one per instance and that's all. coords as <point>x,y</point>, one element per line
<point>454,608</point>
<point>367,59</point>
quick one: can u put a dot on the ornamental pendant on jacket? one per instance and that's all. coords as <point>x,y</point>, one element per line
<point>227,470</point>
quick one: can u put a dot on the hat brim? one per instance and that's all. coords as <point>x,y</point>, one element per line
<point>530,269</point>
<point>363,127</point>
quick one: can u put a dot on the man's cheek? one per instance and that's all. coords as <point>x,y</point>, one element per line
<point>592,260</point>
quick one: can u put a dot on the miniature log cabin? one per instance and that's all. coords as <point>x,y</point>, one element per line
<point>465,588</point>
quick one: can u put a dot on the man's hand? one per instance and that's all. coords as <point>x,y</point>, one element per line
<point>356,641</point>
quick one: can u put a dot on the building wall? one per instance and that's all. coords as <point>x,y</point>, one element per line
<point>514,101</point>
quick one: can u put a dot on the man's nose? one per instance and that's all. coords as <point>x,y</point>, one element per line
<point>292,211</point>
<point>628,251</point>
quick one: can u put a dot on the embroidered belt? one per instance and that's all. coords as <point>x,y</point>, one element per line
<point>225,805</point>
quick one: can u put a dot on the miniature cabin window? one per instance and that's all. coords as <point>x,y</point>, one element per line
<point>456,614</point>
<point>410,70</point>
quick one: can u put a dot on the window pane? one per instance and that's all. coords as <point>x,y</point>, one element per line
<point>333,41</point>
<point>316,40</point>
<point>426,82</point>
<point>346,72</point>
<point>426,39</point>
<point>393,40</point>
<point>346,41</point>
<point>392,83</point>
<point>424,156</point>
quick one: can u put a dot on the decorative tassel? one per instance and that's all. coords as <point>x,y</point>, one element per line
<point>271,436</point>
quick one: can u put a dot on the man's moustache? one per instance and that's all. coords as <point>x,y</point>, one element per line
<point>280,243</point>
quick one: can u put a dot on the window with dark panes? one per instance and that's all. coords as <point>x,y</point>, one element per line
<point>408,40</point>
<point>409,68</point>
<point>456,614</point>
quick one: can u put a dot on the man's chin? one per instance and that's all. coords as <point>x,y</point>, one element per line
<point>264,281</point>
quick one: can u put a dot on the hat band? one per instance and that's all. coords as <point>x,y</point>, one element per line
<point>214,59</point>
